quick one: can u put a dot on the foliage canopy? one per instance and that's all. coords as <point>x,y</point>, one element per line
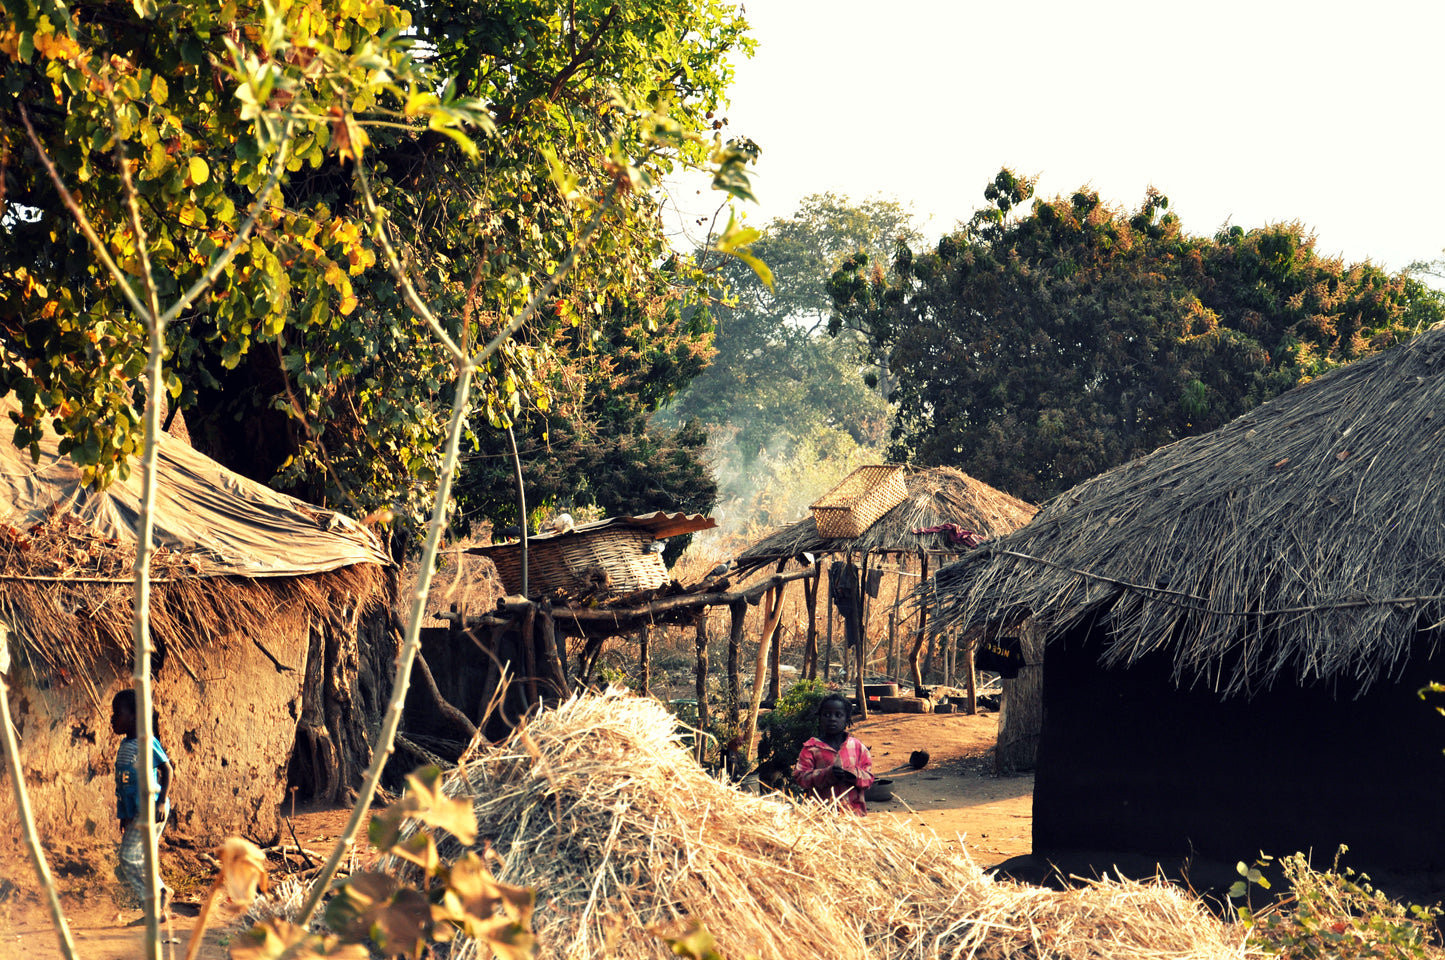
<point>1038,346</point>
<point>302,364</point>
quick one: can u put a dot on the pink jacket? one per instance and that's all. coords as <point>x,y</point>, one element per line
<point>813,772</point>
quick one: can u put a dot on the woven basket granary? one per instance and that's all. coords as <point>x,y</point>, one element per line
<point>856,504</point>
<point>614,559</point>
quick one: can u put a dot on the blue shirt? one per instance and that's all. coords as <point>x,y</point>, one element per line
<point>127,777</point>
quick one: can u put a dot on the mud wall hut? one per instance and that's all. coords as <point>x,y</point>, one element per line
<point>272,627</point>
<point>1237,627</point>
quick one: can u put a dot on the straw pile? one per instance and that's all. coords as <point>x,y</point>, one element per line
<point>599,808</point>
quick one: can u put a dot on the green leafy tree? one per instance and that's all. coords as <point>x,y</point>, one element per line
<point>302,364</point>
<point>1042,344</point>
<point>780,387</point>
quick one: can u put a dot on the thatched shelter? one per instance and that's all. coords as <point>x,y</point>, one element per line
<point>1237,626</point>
<point>936,496</point>
<point>272,627</point>
<point>956,510</point>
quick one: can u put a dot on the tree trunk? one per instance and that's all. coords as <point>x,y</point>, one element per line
<point>347,682</point>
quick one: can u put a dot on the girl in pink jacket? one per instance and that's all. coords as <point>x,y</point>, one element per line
<point>835,765</point>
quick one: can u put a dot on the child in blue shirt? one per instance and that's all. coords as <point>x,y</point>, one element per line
<point>131,851</point>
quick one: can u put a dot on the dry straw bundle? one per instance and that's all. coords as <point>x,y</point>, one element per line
<point>600,808</point>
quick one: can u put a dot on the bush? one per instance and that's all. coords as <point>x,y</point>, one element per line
<point>1337,914</point>
<point>786,728</point>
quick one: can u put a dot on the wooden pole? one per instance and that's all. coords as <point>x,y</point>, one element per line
<point>861,656</point>
<point>893,616</point>
<point>773,609</point>
<point>555,663</point>
<point>775,657</point>
<point>828,650</point>
<point>810,644</point>
<point>644,660</point>
<point>970,677</point>
<point>917,675</point>
<point>738,611</point>
<point>892,633</point>
<point>529,655</point>
<point>701,681</point>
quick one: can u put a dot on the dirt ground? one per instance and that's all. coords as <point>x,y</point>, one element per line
<point>954,796</point>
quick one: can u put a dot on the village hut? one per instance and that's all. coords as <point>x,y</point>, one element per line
<point>939,512</point>
<point>946,502</point>
<point>1237,626</point>
<point>271,622</point>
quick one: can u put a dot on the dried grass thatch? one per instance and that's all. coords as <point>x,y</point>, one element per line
<point>936,495</point>
<point>66,592</point>
<point>1306,539</point>
<point>599,807</point>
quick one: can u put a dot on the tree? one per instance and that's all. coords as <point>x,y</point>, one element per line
<point>303,365</point>
<point>779,386</point>
<point>1034,350</point>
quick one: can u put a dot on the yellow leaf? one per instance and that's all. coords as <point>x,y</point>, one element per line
<point>199,172</point>
<point>243,869</point>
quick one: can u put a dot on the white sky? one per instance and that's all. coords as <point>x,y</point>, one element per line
<point>1247,112</point>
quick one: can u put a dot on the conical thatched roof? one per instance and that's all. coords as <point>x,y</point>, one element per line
<point>1305,540</point>
<point>936,495</point>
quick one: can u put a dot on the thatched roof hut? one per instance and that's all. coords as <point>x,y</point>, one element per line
<point>271,621</point>
<point>1283,573</point>
<point>936,496</point>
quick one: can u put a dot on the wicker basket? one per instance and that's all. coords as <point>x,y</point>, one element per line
<point>856,504</point>
<point>611,561</point>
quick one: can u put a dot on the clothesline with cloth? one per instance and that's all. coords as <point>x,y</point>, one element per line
<point>956,534</point>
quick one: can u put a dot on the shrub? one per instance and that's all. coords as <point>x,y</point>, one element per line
<point>787,727</point>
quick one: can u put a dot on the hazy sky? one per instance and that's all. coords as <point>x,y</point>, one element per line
<point>1247,112</point>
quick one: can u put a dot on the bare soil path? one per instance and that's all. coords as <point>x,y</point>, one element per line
<point>956,795</point>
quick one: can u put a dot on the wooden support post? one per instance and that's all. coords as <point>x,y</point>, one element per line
<point>773,627</point>
<point>554,665</point>
<point>893,616</point>
<point>773,610</point>
<point>738,611</point>
<point>810,644</point>
<point>493,679</point>
<point>700,624</point>
<point>861,655</point>
<point>529,655</point>
<point>644,660</point>
<point>828,650</point>
<point>970,677</point>
<point>892,635</point>
<point>587,659</point>
<point>864,610</point>
<point>917,675</point>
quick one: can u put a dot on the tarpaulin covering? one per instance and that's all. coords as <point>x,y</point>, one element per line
<point>227,525</point>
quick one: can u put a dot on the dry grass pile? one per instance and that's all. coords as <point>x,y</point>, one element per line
<point>598,806</point>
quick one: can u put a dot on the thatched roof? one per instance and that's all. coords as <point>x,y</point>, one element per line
<point>936,496</point>
<point>1305,540</point>
<point>231,553</point>
<point>227,523</point>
